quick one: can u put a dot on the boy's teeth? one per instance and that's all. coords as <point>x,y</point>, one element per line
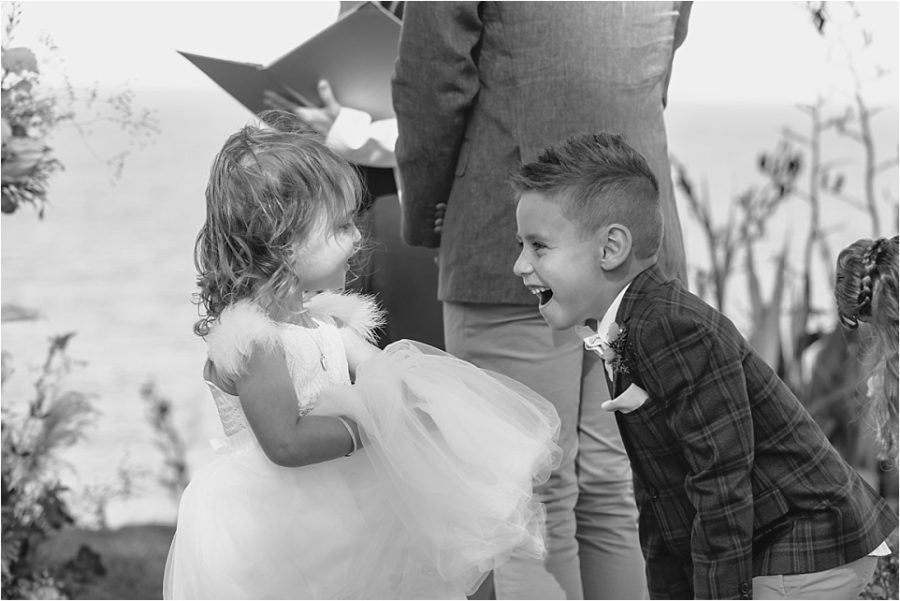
<point>545,294</point>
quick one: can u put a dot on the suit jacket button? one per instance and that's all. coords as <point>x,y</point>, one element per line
<point>745,589</point>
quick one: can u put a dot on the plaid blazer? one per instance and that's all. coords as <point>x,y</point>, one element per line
<point>733,477</point>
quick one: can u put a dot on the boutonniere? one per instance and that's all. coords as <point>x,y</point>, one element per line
<point>611,348</point>
<point>614,354</point>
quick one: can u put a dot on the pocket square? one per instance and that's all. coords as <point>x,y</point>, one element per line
<point>633,398</point>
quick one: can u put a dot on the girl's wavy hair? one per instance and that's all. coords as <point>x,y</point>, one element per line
<point>268,188</point>
<point>865,290</point>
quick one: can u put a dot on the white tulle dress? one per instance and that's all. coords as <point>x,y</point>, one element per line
<point>440,493</point>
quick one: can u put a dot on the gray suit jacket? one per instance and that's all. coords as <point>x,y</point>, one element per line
<point>481,86</point>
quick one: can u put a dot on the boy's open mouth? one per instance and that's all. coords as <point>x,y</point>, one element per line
<point>544,294</point>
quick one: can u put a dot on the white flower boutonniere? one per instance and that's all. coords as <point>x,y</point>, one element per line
<point>615,355</point>
<point>610,348</point>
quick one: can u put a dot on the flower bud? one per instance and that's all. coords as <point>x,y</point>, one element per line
<point>20,157</point>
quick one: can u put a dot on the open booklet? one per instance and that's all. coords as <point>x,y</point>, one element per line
<point>356,55</point>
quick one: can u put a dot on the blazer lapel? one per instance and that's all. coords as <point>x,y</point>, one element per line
<point>645,282</point>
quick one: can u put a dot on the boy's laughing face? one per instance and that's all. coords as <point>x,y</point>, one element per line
<point>559,264</point>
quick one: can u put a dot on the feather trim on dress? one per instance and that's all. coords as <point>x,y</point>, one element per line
<point>231,338</point>
<point>357,311</point>
<point>244,323</point>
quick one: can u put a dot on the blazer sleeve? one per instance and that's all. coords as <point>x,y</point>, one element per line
<point>681,30</point>
<point>434,85</point>
<point>700,375</point>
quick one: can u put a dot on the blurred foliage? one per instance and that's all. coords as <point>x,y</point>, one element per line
<point>31,111</point>
<point>33,499</point>
<point>175,475</point>
<point>884,582</point>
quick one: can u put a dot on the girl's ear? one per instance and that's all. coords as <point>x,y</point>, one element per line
<point>615,246</point>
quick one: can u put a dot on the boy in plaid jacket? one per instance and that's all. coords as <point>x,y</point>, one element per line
<point>739,491</point>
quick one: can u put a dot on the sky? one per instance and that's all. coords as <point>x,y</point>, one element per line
<point>767,52</point>
<point>759,52</point>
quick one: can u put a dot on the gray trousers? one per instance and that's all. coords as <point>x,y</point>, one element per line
<point>592,536</point>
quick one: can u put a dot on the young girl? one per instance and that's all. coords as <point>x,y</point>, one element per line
<point>413,481</point>
<point>865,288</point>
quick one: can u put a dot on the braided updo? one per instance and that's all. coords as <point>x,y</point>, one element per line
<point>865,288</point>
<point>866,272</point>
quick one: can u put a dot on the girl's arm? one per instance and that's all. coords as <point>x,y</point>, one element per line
<point>270,404</point>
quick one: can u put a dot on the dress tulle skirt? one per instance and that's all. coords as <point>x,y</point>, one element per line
<point>440,494</point>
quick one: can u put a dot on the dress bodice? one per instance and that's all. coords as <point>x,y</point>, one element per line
<point>315,359</point>
<point>231,415</point>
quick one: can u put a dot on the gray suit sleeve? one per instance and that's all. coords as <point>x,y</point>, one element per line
<point>434,85</point>
<point>681,30</point>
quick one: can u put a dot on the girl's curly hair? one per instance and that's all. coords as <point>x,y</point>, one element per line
<point>865,289</point>
<point>268,188</point>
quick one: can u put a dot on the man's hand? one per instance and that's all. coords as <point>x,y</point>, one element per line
<point>320,119</point>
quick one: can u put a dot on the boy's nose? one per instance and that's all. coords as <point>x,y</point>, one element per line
<point>521,267</point>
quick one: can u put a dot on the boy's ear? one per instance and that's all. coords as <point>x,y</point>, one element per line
<point>615,246</point>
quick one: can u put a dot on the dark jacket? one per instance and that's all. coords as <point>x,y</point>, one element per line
<point>733,477</point>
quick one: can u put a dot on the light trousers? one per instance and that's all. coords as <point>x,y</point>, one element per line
<point>591,532</point>
<point>843,582</point>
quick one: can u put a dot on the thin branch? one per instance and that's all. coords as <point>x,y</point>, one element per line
<point>850,200</point>
<point>887,164</point>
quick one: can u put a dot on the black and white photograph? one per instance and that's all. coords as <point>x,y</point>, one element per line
<point>450,300</point>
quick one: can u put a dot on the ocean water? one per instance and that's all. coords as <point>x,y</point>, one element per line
<point>113,262</point>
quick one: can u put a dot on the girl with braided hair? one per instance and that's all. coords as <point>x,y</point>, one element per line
<point>865,288</point>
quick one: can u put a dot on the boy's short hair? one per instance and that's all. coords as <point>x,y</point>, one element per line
<point>599,179</point>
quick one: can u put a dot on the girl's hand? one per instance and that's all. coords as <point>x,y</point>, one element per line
<point>358,350</point>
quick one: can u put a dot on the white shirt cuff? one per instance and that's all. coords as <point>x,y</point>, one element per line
<point>357,138</point>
